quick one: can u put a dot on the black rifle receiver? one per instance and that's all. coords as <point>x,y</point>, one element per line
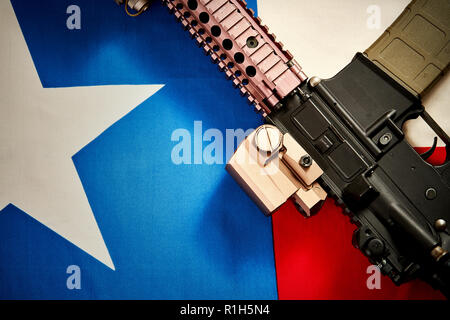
<point>352,126</point>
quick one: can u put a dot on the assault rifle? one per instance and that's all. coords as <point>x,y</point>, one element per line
<point>343,136</point>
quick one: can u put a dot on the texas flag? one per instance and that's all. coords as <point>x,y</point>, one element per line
<point>93,105</point>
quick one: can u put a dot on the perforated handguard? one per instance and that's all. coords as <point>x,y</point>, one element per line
<point>242,47</point>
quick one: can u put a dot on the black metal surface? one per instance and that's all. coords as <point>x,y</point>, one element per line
<point>351,125</point>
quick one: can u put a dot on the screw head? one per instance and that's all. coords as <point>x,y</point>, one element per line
<point>440,224</point>
<point>268,138</point>
<point>306,161</point>
<point>314,81</point>
<point>375,247</point>
<point>385,139</point>
<point>431,193</point>
<point>252,42</point>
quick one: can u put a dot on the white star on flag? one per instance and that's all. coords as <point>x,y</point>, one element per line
<point>41,129</point>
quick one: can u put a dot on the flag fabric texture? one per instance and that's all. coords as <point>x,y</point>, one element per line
<point>170,231</point>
